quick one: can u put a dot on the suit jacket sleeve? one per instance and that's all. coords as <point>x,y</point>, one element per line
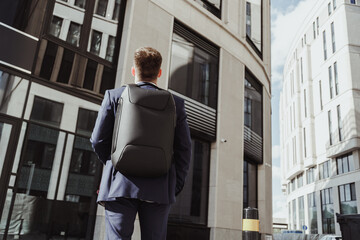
<point>101,137</point>
<point>182,148</point>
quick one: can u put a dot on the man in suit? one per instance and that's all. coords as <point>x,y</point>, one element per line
<point>125,196</point>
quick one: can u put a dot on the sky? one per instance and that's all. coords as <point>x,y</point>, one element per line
<point>286,18</point>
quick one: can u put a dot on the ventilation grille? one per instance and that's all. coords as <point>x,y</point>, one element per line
<point>253,145</point>
<point>198,41</point>
<point>199,116</point>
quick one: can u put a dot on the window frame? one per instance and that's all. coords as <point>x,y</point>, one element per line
<point>259,52</point>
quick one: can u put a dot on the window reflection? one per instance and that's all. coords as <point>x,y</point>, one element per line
<point>73,36</point>
<point>110,49</point>
<point>80,3</point>
<point>348,204</point>
<point>194,72</point>
<point>327,207</point>
<point>191,203</point>
<point>46,111</point>
<point>253,23</point>
<point>55,26</point>
<point>116,12</point>
<point>101,6</point>
<point>95,42</point>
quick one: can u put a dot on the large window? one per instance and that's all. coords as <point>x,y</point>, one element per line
<point>82,40</point>
<point>300,180</point>
<point>84,162</point>
<point>348,204</point>
<point>253,117</point>
<point>345,164</point>
<point>331,85</point>
<point>254,24</point>
<point>340,127</point>
<point>327,210</point>
<point>312,211</point>
<point>194,67</point>
<point>336,79</point>
<point>191,203</point>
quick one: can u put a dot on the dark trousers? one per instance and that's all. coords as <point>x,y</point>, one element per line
<point>120,216</point>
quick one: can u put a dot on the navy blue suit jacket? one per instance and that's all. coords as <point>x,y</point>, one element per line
<point>114,184</point>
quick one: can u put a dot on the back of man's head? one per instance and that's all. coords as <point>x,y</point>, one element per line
<point>147,62</point>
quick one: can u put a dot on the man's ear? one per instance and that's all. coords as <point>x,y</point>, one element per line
<point>160,72</point>
<point>133,71</point>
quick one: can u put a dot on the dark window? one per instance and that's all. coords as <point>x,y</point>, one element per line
<point>194,67</point>
<point>250,184</point>
<point>352,1</point>
<point>116,12</point>
<point>108,80</point>
<point>254,24</point>
<point>191,203</point>
<point>345,164</point>
<point>320,95</point>
<point>25,15</point>
<point>46,112</point>
<point>90,75</point>
<point>317,25</point>
<point>327,210</point>
<point>334,4</point>
<point>49,60</point>
<point>253,115</point>
<point>312,213</point>
<point>348,204</point>
<point>314,30</point>
<point>86,122</point>
<point>66,66</point>
<point>331,86</point>
<point>110,50</point>
<point>329,9</point>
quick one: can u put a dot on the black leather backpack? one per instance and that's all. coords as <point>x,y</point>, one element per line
<point>143,136</point>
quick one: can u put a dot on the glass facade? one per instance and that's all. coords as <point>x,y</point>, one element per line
<point>301,211</point>
<point>327,211</point>
<point>294,215</point>
<point>82,39</point>
<point>347,195</point>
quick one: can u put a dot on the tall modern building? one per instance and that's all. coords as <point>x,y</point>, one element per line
<point>57,58</point>
<point>320,118</point>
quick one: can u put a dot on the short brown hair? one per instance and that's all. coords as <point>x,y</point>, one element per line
<point>147,62</point>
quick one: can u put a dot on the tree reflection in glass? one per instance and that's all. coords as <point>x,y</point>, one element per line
<point>73,36</point>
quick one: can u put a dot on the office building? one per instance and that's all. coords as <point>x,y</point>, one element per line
<point>56,61</point>
<point>320,124</point>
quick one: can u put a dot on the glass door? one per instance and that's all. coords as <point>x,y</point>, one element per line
<point>9,132</point>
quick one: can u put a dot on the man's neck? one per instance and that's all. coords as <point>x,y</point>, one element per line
<point>153,81</point>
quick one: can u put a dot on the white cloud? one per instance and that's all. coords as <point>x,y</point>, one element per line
<point>284,27</point>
